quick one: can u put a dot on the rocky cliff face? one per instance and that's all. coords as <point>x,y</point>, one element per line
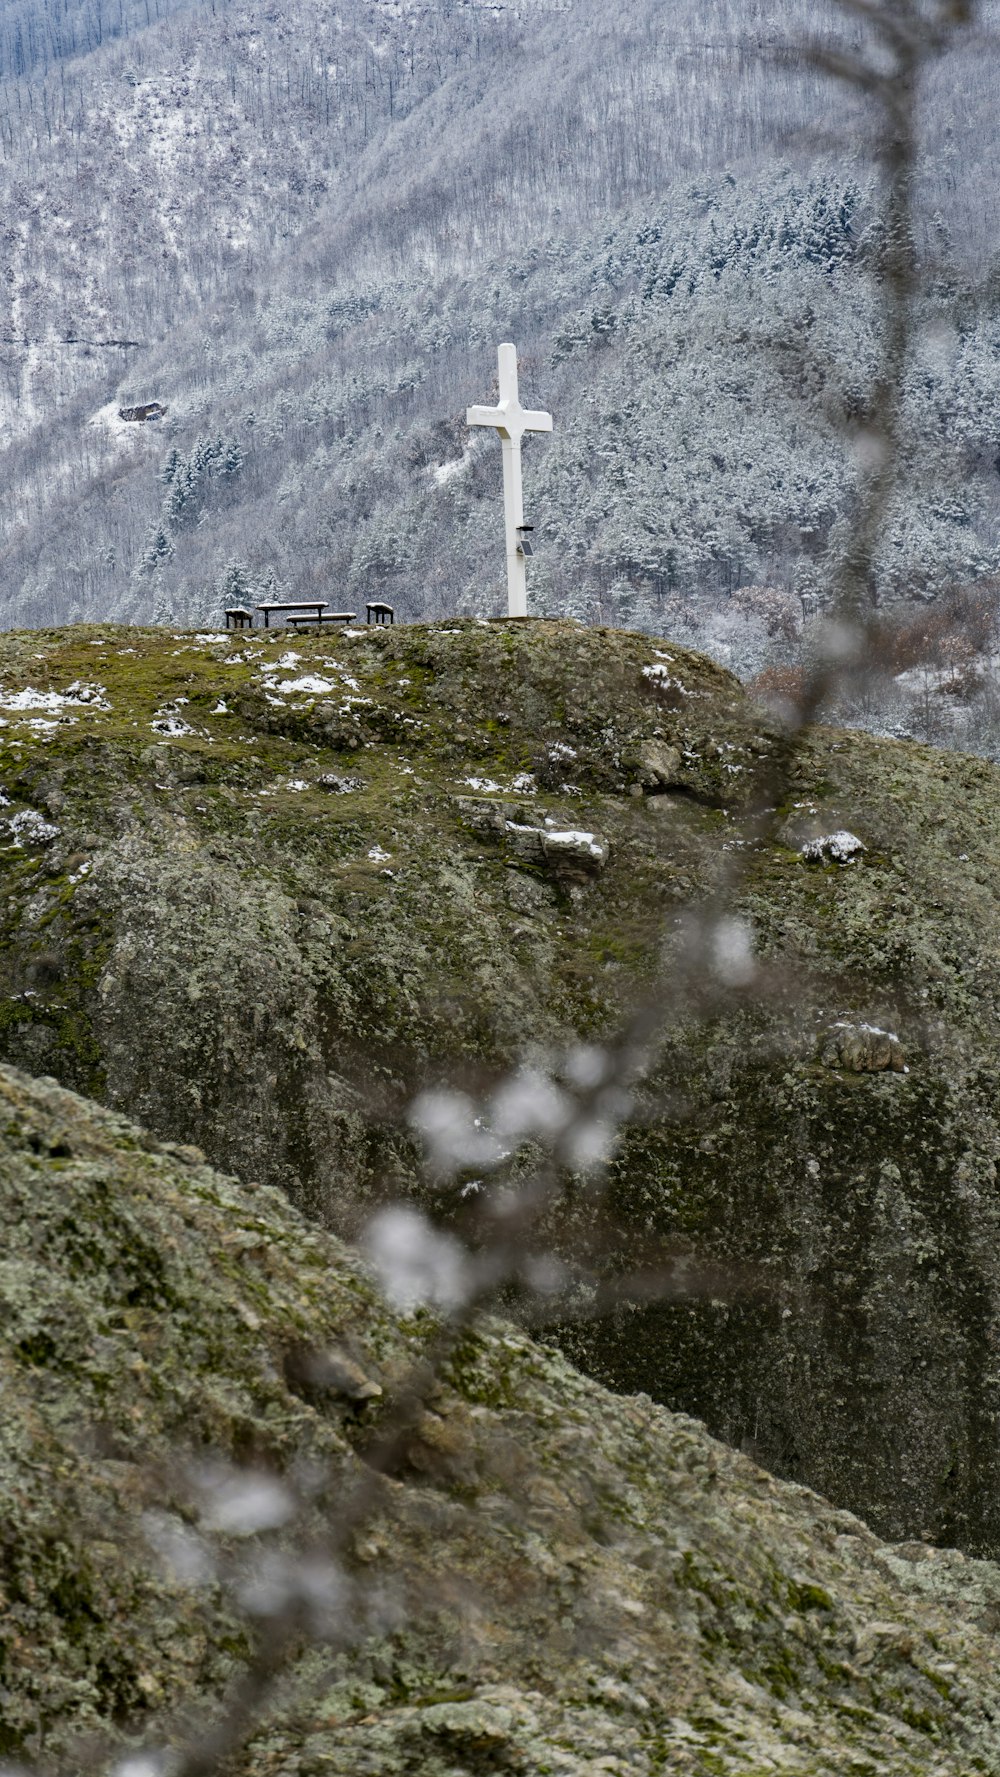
<point>552,1578</point>
<point>259,890</point>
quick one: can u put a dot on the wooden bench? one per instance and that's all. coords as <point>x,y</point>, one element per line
<point>305,622</point>
<point>238,617</point>
<point>383,613</point>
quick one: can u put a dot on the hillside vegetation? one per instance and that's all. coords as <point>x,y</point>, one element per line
<point>552,1579</point>
<point>260,892</point>
<point>304,233</point>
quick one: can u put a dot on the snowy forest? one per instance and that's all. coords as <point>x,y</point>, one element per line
<point>303,231</point>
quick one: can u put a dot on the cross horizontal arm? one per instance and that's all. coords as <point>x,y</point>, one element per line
<point>485,416</point>
<point>509,418</point>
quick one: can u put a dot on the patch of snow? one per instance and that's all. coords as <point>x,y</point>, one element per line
<point>119,429</point>
<point>296,783</point>
<point>77,696</point>
<point>445,472</point>
<point>31,826</point>
<point>92,696</point>
<point>570,838</point>
<point>309,685</point>
<point>378,856</point>
<point>839,848</point>
<point>870,1030</point>
<point>573,837</point>
<point>485,784</point>
<point>166,723</point>
<point>660,676</point>
<point>524,784</point>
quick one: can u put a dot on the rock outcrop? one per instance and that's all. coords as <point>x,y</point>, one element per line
<point>551,1578</point>
<point>258,891</point>
<point>863,1048</point>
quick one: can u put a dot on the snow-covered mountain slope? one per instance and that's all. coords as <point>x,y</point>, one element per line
<point>304,232</point>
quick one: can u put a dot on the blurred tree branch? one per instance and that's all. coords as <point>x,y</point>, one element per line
<point>575,1112</point>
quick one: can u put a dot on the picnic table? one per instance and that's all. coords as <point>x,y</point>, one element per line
<point>318,606</point>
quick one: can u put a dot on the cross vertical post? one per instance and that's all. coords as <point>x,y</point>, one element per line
<point>513,505</point>
<point>511,421</point>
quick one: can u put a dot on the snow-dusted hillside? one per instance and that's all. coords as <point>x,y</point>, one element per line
<point>303,231</point>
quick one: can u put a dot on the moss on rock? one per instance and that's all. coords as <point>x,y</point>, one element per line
<point>203,932</point>
<point>557,1579</point>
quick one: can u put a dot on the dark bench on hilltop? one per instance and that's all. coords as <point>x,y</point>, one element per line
<point>306,622</point>
<point>238,617</point>
<point>383,613</point>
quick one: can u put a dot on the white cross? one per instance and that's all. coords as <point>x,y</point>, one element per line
<point>511,421</point>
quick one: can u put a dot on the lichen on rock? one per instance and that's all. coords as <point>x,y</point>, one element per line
<point>553,1578</point>
<point>863,1048</point>
<point>220,946</point>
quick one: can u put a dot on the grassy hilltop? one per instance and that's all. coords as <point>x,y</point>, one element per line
<point>260,889</point>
